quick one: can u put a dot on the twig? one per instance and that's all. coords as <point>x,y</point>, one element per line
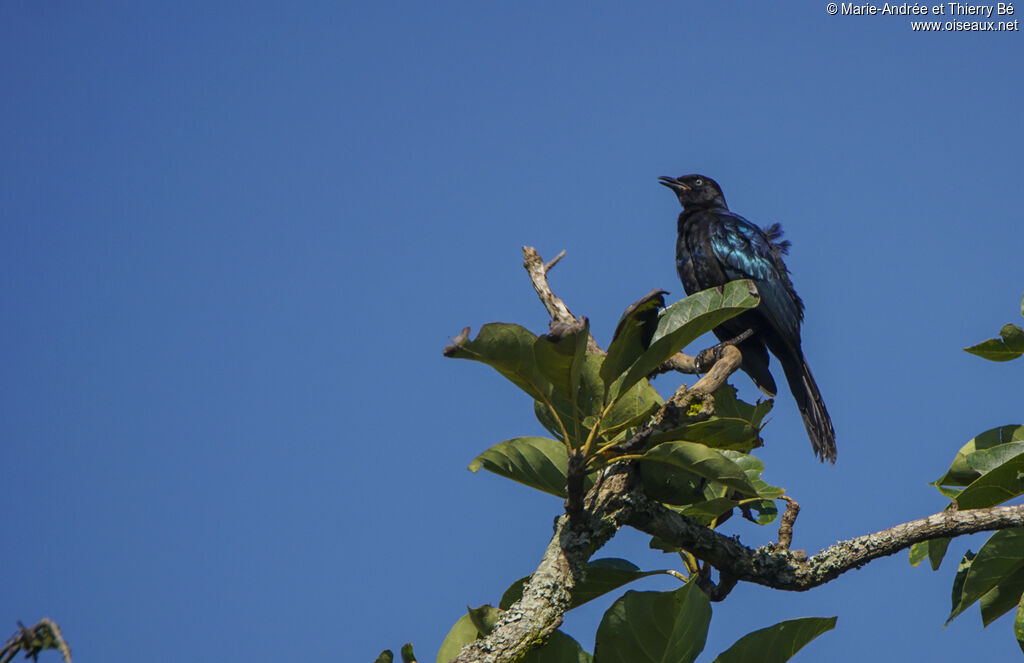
<point>574,488</point>
<point>715,592</point>
<point>554,261</point>
<point>44,635</point>
<point>559,312</point>
<point>786,522</point>
<point>538,272</point>
<point>679,362</point>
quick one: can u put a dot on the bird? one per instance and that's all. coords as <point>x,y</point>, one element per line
<point>715,246</point>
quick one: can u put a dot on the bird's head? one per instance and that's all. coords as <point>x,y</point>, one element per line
<point>695,190</point>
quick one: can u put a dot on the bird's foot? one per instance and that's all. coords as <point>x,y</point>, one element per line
<point>707,357</point>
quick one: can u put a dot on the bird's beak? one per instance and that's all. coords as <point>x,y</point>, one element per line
<point>673,183</point>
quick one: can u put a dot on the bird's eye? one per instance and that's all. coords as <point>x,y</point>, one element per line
<point>699,182</point>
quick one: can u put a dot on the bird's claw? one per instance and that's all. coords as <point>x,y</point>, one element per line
<point>707,358</point>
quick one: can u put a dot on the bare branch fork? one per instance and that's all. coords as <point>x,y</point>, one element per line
<point>616,500</point>
<point>35,639</point>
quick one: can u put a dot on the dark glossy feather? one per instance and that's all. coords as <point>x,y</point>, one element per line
<point>715,246</point>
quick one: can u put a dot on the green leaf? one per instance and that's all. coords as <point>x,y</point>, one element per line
<point>654,627</point>
<point>1013,337</point>
<point>997,562</point>
<point>1002,598</point>
<point>937,551</point>
<point>601,576</point>
<point>407,654</point>
<point>1002,483</point>
<point>727,406</point>
<point>547,419</point>
<point>508,349</point>
<point>538,462</point>
<point>671,485</point>
<point>736,425</point>
<point>753,467</point>
<point>475,623</point>
<point>511,350</point>
<point>484,618</point>
<point>917,553</point>
<point>707,511</point>
<point>560,648</point>
<point>1009,346</point>
<point>632,408</point>
<point>575,410</point>
<point>766,512</point>
<point>1018,623</point>
<point>987,460</point>
<point>960,473</point>
<point>559,358</point>
<point>632,335</point>
<point>460,635</point>
<point>958,585</point>
<point>698,459</point>
<point>385,657</point>
<point>934,550</point>
<point>664,546</point>
<point>684,321</point>
<point>777,643</point>
<point>714,432</point>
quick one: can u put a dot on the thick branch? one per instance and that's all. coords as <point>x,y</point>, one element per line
<point>548,592</point>
<point>773,566</point>
<point>616,501</point>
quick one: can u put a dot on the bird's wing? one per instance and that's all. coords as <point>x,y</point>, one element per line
<point>746,252</point>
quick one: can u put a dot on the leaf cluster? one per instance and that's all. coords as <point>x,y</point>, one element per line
<point>987,471</point>
<point>592,403</point>
<point>642,627</point>
<point>696,461</point>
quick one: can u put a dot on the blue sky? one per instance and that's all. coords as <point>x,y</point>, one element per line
<point>234,239</point>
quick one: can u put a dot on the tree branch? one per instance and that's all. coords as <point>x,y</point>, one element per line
<point>559,312</point>
<point>674,410</point>
<point>726,365</point>
<point>33,640</point>
<point>679,362</point>
<point>538,272</point>
<point>787,521</point>
<point>548,592</point>
<point>616,500</point>
<point>777,567</point>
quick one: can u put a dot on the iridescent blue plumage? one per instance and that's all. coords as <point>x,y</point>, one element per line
<point>715,246</point>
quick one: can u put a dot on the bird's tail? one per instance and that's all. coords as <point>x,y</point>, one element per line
<point>812,407</point>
